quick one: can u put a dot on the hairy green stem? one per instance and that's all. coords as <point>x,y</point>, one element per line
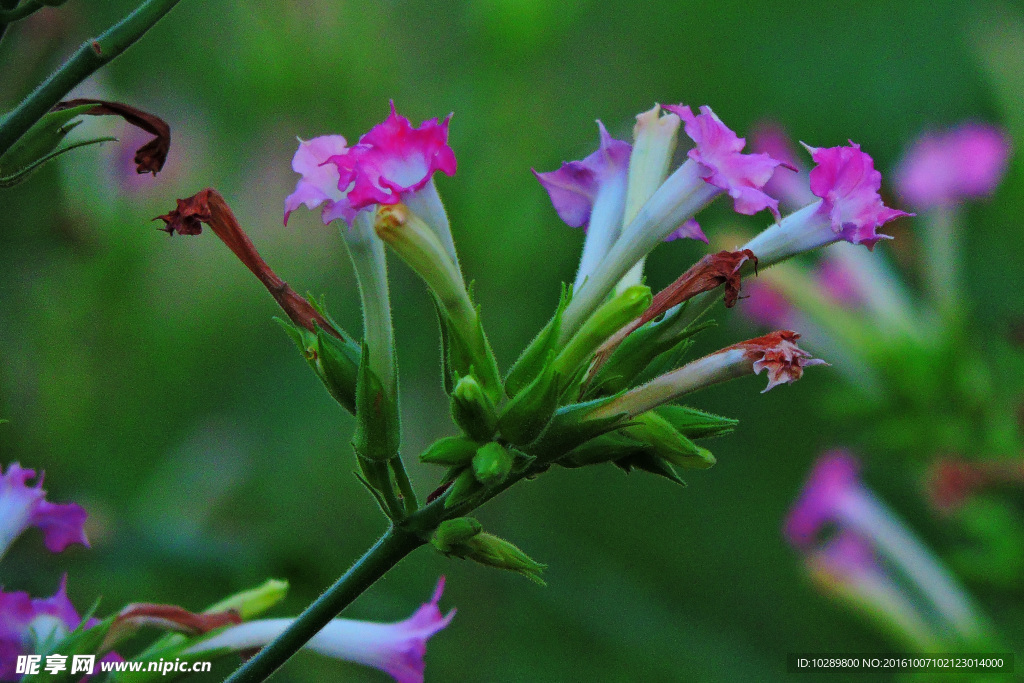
<point>393,546</point>
<point>8,16</point>
<point>83,63</point>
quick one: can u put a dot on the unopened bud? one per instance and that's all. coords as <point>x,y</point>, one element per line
<point>491,464</point>
<point>453,533</point>
<point>472,410</point>
<point>451,451</point>
<point>527,414</point>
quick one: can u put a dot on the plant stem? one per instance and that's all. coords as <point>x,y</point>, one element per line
<point>404,485</point>
<point>394,545</point>
<point>83,63</point>
<point>8,16</point>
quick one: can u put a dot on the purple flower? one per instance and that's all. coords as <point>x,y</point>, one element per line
<point>26,621</point>
<point>23,506</point>
<point>847,182</point>
<point>718,151</point>
<point>388,163</point>
<point>319,182</point>
<point>576,187</point>
<point>947,168</point>
<point>592,193</point>
<point>849,209</point>
<point>397,649</point>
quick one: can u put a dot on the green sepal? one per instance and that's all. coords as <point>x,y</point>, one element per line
<point>378,426</point>
<point>536,357</point>
<point>608,319</point>
<point>447,376</point>
<point>452,533</point>
<point>375,476</point>
<point>530,410</point>
<point>472,410</point>
<point>648,462</point>
<point>80,641</point>
<point>667,443</point>
<point>460,359</point>
<point>570,426</point>
<point>335,361</point>
<point>248,603</point>
<point>696,424</point>
<point>462,489</point>
<point>646,353</point>
<point>41,139</point>
<point>605,448</point>
<point>674,357</point>
<point>492,464</point>
<point>23,173</point>
<point>451,451</point>
<point>492,551</point>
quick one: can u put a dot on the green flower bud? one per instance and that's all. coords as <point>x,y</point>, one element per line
<point>451,451</point>
<point>667,443</point>
<point>496,552</point>
<point>491,464</point>
<point>696,424</point>
<point>472,410</point>
<point>255,601</point>
<point>453,533</point>
<point>378,428</point>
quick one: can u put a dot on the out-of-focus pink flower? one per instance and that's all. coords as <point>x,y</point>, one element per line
<point>390,161</point>
<point>718,151</point>
<point>25,621</point>
<point>397,649</point>
<point>839,283</point>
<point>835,499</point>
<point>575,187</point>
<point>947,168</point>
<point>790,182</point>
<point>766,305</point>
<point>847,182</point>
<point>23,506</point>
<point>831,483</point>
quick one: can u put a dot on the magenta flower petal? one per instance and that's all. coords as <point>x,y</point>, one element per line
<point>944,169</point>
<point>688,230</point>
<point>718,151</point>
<point>319,182</point>
<point>847,182</point>
<point>21,614</point>
<point>574,187</point>
<point>834,477</point>
<point>23,506</point>
<point>394,158</point>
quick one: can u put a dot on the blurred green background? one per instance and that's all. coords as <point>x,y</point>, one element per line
<point>144,374</point>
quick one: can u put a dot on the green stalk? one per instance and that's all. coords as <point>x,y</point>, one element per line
<point>83,63</point>
<point>392,547</point>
